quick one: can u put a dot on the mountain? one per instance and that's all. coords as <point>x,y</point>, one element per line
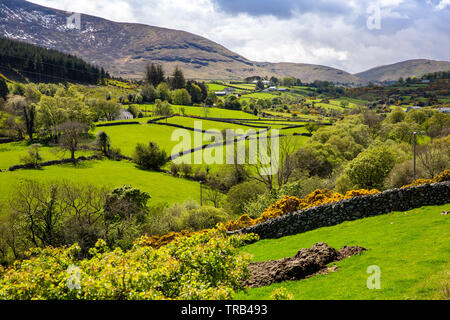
<point>124,49</point>
<point>405,69</point>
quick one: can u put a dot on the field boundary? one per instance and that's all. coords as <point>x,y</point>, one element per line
<point>330,214</point>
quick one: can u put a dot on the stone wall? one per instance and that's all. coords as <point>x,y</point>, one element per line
<point>352,209</point>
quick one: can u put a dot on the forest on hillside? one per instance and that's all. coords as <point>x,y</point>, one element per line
<point>25,61</point>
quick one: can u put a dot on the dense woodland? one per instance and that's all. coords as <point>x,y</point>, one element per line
<point>41,65</point>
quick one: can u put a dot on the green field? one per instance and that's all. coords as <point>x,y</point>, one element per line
<point>11,153</point>
<point>411,248</point>
<point>161,187</point>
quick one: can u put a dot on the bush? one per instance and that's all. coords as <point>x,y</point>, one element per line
<point>32,158</point>
<point>204,266</point>
<point>149,156</point>
<point>281,294</point>
<point>202,218</point>
<point>370,168</point>
<point>402,174</point>
<point>240,194</point>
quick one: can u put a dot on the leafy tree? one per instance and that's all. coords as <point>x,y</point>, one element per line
<point>162,108</point>
<point>259,85</point>
<point>149,93</point>
<point>126,202</point>
<point>370,168</point>
<point>149,156</point>
<point>181,97</point>
<point>26,111</point>
<point>397,115</point>
<point>163,91</point>
<point>103,141</point>
<point>195,91</point>
<point>240,194</point>
<point>107,109</point>
<point>232,102</point>
<point>202,218</point>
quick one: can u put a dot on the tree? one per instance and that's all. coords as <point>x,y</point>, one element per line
<point>288,81</point>
<point>149,156</point>
<point>259,85</point>
<point>26,111</point>
<point>211,99</point>
<point>177,80</point>
<point>73,133</point>
<point>232,102</point>
<point>181,97</point>
<point>163,91</point>
<point>32,158</point>
<point>107,109</point>
<point>240,194</point>
<point>370,168</point>
<point>126,202</point>
<point>163,109</point>
<point>3,89</point>
<point>310,127</point>
<point>397,115</point>
<point>154,74</point>
<point>103,141</point>
<point>195,91</point>
<point>149,93</point>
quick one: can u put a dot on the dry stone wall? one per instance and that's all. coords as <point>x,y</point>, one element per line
<point>352,209</point>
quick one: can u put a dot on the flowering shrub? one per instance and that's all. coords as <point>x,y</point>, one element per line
<point>208,265</point>
<point>444,176</point>
<point>291,204</point>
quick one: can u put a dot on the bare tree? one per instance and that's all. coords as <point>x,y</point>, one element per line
<point>434,157</point>
<point>73,133</point>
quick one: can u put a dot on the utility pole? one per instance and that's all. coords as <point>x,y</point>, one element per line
<point>414,152</point>
<point>201,193</point>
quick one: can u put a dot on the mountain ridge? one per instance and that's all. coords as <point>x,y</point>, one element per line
<point>404,69</point>
<point>124,48</point>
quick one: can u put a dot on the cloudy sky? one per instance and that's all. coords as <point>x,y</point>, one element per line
<point>353,35</point>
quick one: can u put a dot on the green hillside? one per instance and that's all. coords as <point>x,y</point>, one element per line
<point>411,248</point>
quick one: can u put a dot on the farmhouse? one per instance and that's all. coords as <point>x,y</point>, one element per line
<point>413,108</point>
<point>444,110</point>
<point>125,115</point>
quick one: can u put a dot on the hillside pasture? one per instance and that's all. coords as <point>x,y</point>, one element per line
<point>411,248</point>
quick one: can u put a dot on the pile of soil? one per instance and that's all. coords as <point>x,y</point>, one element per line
<point>306,263</point>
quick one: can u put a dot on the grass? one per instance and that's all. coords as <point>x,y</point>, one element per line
<point>411,248</point>
<point>161,187</point>
<point>11,153</point>
<point>212,112</point>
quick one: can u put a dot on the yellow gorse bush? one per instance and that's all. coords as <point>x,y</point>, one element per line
<point>444,176</point>
<point>291,204</point>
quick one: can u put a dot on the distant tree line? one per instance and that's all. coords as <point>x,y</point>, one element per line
<point>43,65</point>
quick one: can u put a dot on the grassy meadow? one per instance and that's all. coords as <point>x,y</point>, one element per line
<point>411,248</point>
